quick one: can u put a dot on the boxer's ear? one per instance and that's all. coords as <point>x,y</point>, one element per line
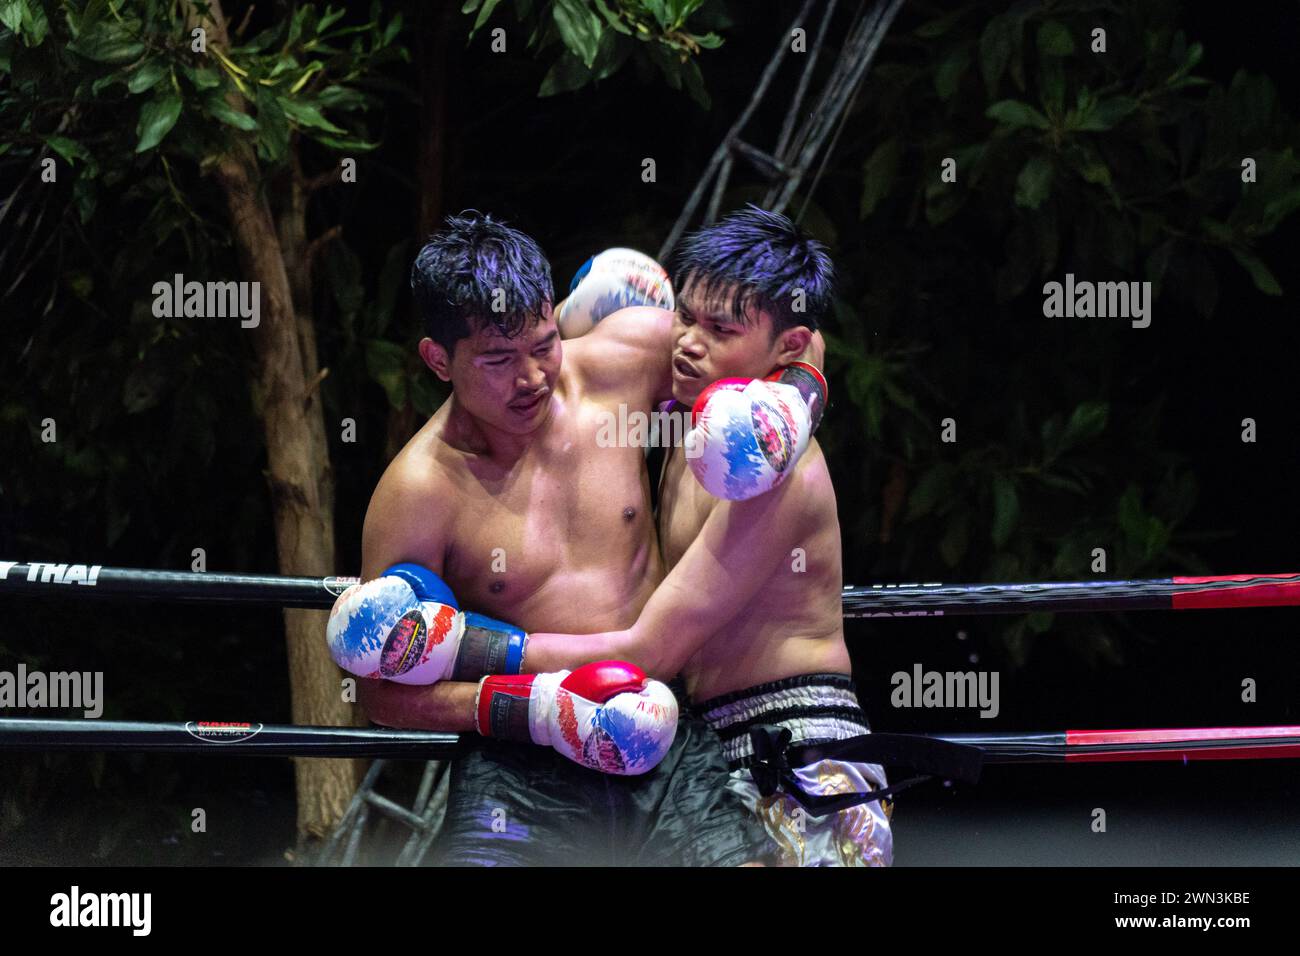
<point>436,357</point>
<point>791,343</point>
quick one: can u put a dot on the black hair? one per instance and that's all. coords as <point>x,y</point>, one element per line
<point>766,261</point>
<point>476,273</point>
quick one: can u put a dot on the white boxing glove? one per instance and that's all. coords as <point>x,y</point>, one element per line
<point>384,629</point>
<point>612,280</point>
<point>747,434</point>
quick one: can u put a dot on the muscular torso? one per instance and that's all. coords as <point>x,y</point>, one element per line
<point>795,624</point>
<point>561,539</point>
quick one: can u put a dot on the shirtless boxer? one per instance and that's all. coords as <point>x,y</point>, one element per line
<point>750,612</point>
<point>506,494</point>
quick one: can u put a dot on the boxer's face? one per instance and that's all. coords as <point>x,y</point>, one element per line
<point>505,383</point>
<point>710,342</point>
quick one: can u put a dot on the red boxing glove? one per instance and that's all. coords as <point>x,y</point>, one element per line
<point>606,715</point>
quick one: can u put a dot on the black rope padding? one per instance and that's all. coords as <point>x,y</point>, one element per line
<point>921,599</point>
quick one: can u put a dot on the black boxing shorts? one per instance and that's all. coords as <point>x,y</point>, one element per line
<point>513,804</point>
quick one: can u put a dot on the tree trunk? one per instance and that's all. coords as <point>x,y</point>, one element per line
<point>285,389</point>
<point>297,457</point>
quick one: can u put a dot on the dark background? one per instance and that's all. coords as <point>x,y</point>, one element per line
<point>566,170</point>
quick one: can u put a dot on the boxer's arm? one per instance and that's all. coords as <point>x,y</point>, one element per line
<point>390,536</point>
<point>633,344</point>
<point>742,545</point>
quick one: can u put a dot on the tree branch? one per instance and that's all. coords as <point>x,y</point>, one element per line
<point>316,245</point>
<point>321,180</point>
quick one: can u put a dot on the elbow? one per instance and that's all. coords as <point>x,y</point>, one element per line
<point>656,658</point>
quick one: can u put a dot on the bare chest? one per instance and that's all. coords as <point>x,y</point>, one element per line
<point>569,518</point>
<point>684,506</point>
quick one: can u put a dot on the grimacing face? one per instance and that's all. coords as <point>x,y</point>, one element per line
<point>504,383</point>
<point>710,343</point>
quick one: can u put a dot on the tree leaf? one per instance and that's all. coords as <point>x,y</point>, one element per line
<point>995,50</point>
<point>385,361</point>
<point>343,98</point>
<point>1034,184</point>
<point>273,128</point>
<point>147,76</point>
<point>1190,59</point>
<point>1129,513</point>
<point>1103,115</point>
<point>69,149</point>
<point>223,111</point>
<point>11,13</point>
<point>106,43</point>
<point>612,19</point>
<point>346,143</point>
<point>1006,509</point>
<point>1260,274</point>
<point>565,75</point>
<point>35,24</point>
<point>948,76</point>
<point>1016,114</point>
<point>331,16</point>
<point>305,114</point>
<point>1055,39</point>
<point>390,32</point>
<point>157,117</point>
<point>934,487</point>
<point>878,174</point>
<point>692,79</point>
<point>202,77</point>
<point>579,29</point>
<point>1088,420</point>
<point>952,548</point>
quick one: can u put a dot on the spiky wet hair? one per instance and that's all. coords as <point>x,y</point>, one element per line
<point>457,275</point>
<point>760,260</point>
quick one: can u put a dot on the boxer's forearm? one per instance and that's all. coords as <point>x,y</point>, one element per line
<point>447,706</point>
<point>546,652</point>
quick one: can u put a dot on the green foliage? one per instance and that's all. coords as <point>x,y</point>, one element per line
<point>301,76</point>
<point>137,113</point>
<point>597,38</point>
<point>1119,166</point>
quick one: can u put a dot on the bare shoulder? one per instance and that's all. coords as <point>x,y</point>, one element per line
<point>631,344</point>
<point>812,477</point>
<point>402,521</point>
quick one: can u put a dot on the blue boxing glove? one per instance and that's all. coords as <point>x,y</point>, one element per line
<point>405,626</point>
